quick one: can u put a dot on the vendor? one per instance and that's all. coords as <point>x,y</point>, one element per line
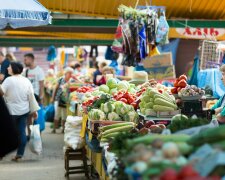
<point>219,107</point>
<point>105,71</point>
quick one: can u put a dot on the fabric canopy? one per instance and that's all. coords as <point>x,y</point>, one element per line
<point>23,13</point>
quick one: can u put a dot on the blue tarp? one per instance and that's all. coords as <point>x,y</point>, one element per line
<point>212,78</point>
<point>194,76</point>
<point>23,13</point>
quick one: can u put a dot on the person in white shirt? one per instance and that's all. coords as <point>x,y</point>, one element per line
<point>17,90</point>
<point>36,76</point>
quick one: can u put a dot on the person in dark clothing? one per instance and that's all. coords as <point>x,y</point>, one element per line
<point>8,134</point>
<point>4,65</point>
<point>98,71</point>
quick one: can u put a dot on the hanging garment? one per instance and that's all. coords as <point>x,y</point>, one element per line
<point>94,48</point>
<point>142,42</point>
<point>162,30</point>
<point>117,45</point>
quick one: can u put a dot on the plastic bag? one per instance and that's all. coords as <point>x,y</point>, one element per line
<point>41,118</point>
<point>49,113</point>
<point>35,139</point>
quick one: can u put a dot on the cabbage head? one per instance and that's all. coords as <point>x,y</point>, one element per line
<point>131,116</point>
<point>104,88</point>
<point>108,107</point>
<point>111,83</point>
<point>96,114</point>
<point>123,85</point>
<point>112,116</point>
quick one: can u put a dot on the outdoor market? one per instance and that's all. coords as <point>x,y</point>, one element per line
<point>112,90</point>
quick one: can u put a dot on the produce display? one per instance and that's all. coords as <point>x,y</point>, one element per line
<point>143,147</point>
<point>180,122</point>
<point>112,87</point>
<point>113,111</point>
<point>179,84</point>
<point>191,91</point>
<point>127,98</point>
<point>109,132</point>
<point>153,101</point>
<point>84,89</point>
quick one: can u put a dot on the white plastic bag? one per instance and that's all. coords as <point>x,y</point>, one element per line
<point>35,139</point>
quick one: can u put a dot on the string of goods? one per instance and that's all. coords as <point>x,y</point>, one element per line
<point>139,31</point>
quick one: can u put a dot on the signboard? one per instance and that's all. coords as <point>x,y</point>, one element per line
<point>197,33</point>
<point>160,67</point>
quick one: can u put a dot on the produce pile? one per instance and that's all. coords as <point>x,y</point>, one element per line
<point>179,84</point>
<point>191,91</point>
<point>153,101</point>
<point>113,111</point>
<point>112,87</point>
<point>155,156</point>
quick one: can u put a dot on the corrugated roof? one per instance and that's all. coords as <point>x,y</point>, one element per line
<point>188,9</point>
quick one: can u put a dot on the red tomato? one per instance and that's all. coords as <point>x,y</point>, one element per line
<point>123,100</point>
<point>130,100</point>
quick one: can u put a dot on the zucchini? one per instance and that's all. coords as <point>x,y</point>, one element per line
<point>148,139</point>
<point>166,94</point>
<point>152,93</point>
<point>210,135</point>
<point>162,108</point>
<point>163,97</point>
<point>110,135</point>
<point>163,102</point>
<point>118,129</point>
<point>104,128</point>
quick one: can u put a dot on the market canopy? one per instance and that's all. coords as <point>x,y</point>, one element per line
<point>186,9</point>
<point>23,13</point>
<point>77,27</point>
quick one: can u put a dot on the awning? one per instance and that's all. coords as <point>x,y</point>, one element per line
<point>23,13</point>
<point>186,9</point>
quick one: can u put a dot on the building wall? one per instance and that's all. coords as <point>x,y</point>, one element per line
<point>186,52</point>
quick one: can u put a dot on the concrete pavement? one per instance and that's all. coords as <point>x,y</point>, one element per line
<point>48,166</point>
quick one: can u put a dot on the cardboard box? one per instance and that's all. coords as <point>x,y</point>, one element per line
<point>160,67</point>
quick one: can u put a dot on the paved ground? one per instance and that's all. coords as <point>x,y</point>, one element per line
<point>48,166</point>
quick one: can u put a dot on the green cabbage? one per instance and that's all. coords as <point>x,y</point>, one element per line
<point>107,107</point>
<point>96,114</point>
<point>131,116</point>
<point>123,85</point>
<point>122,108</point>
<point>111,83</point>
<point>113,91</point>
<point>104,88</point>
<point>112,116</point>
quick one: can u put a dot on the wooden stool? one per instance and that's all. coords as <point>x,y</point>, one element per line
<point>78,154</point>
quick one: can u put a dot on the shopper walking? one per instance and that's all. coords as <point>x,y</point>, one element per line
<point>17,91</point>
<point>36,76</point>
